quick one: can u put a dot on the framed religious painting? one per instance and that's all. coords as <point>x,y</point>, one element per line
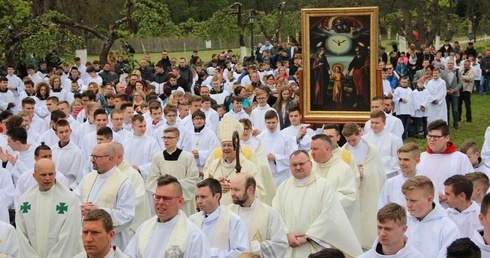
<point>339,64</point>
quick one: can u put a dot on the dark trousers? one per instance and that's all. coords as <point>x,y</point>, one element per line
<point>405,119</point>
<point>466,98</point>
<point>421,125</point>
<point>454,102</point>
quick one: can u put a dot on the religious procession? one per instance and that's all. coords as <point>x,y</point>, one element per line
<point>186,158</point>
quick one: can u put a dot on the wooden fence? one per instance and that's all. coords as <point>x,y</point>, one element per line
<point>173,44</point>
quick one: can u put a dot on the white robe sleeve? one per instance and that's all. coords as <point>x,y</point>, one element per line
<point>238,240</point>
<point>6,187</point>
<point>123,213</point>
<point>10,245</point>
<point>277,242</point>
<point>485,152</point>
<point>282,160</point>
<point>197,246</point>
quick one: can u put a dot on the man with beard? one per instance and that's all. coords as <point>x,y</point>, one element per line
<point>266,231</point>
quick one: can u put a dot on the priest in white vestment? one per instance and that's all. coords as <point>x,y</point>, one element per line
<point>430,230</point>
<point>9,242</point>
<point>340,177</point>
<point>139,149</point>
<point>169,233</point>
<point>461,209</point>
<point>224,168</point>
<point>178,163</point>
<point>442,159</point>
<point>266,231</point>
<point>391,241</point>
<point>97,234</point>
<point>481,237</point>
<point>386,143</point>
<point>312,213</point>
<point>142,204</point>
<point>48,217</point>
<point>97,191</point>
<point>278,147</point>
<point>372,176</point>
<point>225,231</point>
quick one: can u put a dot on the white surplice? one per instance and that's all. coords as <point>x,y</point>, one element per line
<point>433,234</point>
<point>393,124</point>
<point>204,142</point>
<point>477,238</point>
<point>6,193</point>
<point>436,91</point>
<point>25,161</point>
<point>70,161</point>
<point>257,117</point>
<point>305,142</point>
<point>237,233</point>
<point>9,242</point>
<point>406,252</point>
<point>439,167</point>
<point>281,146</point>
<point>237,115</point>
<point>467,220</point>
<point>387,145</point>
<point>139,151</point>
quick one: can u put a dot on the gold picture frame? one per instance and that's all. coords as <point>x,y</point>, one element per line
<point>340,49</point>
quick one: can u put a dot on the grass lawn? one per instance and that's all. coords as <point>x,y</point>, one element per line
<point>204,54</point>
<point>474,130</point>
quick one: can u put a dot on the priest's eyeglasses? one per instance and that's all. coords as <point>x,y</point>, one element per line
<point>434,137</point>
<point>165,199</point>
<point>168,138</point>
<point>299,164</point>
<point>95,157</point>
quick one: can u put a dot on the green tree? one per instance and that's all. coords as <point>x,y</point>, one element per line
<point>149,18</point>
<point>23,34</point>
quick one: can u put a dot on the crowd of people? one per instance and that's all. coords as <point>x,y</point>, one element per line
<point>100,163</point>
<point>425,83</point>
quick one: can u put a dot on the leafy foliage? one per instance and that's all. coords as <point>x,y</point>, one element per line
<point>23,35</point>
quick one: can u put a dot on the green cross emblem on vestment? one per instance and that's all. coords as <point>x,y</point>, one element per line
<point>61,208</point>
<point>25,207</point>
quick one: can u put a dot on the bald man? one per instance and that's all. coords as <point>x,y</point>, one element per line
<point>97,191</point>
<point>266,231</point>
<point>48,217</point>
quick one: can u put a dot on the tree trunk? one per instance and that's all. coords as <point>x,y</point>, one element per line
<point>279,21</point>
